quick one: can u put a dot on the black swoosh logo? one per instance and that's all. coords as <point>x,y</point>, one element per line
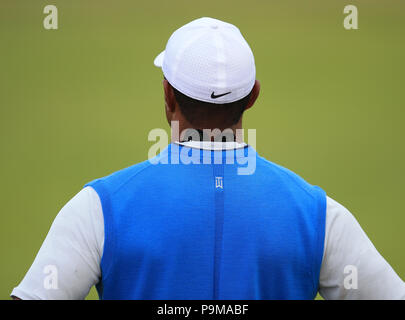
<point>215,96</point>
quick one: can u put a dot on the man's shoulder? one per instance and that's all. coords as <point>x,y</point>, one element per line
<point>288,177</point>
<point>120,177</point>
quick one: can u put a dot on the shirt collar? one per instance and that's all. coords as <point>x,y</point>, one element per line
<point>213,145</point>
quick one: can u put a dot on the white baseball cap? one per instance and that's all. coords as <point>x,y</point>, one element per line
<point>209,60</point>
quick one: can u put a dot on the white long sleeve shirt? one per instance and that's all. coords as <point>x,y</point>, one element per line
<point>351,267</point>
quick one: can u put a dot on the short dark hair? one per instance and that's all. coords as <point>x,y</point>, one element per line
<point>200,113</point>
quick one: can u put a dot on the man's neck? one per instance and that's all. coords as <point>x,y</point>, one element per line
<point>181,133</point>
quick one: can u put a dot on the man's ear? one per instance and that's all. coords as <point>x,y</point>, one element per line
<point>254,95</point>
<point>170,100</point>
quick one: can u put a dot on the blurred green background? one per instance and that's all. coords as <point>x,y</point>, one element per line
<point>77,103</point>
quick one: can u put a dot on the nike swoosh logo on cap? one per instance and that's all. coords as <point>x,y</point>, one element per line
<point>214,96</point>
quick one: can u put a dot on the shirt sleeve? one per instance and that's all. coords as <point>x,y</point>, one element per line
<point>352,268</point>
<point>68,262</point>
